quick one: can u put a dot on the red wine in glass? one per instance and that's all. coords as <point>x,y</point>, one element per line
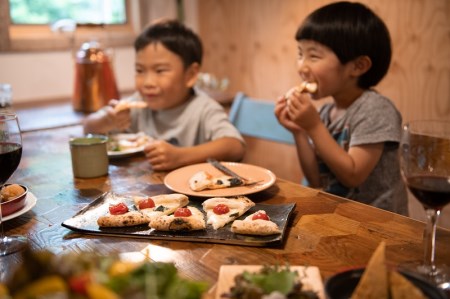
<point>432,191</point>
<point>425,161</point>
<point>10,155</point>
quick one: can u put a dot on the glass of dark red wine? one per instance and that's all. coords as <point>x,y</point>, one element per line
<point>10,155</point>
<point>425,162</point>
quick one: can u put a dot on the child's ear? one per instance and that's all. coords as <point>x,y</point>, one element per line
<point>191,74</point>
<point>361,65</point>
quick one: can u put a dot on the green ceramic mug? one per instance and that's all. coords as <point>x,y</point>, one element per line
<point>89,156</point>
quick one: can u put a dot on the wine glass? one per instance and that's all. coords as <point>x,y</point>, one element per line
<point>10,155</point>
<point>425,162</point>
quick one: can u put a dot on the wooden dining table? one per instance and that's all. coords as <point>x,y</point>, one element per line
<point>326,231</point>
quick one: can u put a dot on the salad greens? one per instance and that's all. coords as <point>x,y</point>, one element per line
<point>270,280</point>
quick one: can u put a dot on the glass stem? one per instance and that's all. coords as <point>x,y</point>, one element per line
<point>2,233</point>
<point>430,239</point>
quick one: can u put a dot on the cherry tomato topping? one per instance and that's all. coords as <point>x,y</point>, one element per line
<point>260,215</point>
<point>78,284</point>
<point>147,203</point>
<point>118,209</point>
<point>182,212</point>
<point>221,209</point>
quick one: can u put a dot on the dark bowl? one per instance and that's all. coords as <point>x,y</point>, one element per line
<point>342,285</point>
<point>14,204</point>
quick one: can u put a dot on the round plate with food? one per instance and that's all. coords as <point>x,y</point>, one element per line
<point>179,180</point>
<point>30,202</point>
<point>12,198</point>
<point>127,144</point>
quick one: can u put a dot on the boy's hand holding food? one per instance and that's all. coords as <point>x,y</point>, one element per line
<point>305,87</point>
<point>293,109</point>
<point>119,120</point>
<point>108,119</point>
<point>281,113</point>
<point>127,105</point>
<point>302,112</point>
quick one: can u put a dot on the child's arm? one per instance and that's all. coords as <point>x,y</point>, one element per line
<point>305,150</point>
<point>107,119</point>
<point>308,160</point>
<point>164,156</point>
<point>351,168</point>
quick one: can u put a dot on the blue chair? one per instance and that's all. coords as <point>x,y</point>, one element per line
<point>255,118</point>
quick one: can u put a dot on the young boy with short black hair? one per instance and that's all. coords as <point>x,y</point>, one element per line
<point>188,125</point>
<point>349,147</point>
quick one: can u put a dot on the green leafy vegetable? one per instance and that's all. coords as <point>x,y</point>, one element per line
<point>269,280</point>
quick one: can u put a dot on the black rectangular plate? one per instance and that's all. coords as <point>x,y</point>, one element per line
<point>85,221</point>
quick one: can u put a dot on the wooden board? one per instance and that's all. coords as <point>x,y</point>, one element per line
<point>85,221</point>
<point>311,281</point>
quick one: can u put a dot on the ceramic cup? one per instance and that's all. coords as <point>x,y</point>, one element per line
<point>89,156</point>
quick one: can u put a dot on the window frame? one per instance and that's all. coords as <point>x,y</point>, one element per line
<point>33,38</point>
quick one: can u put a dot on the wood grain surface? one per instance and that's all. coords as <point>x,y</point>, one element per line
<point>326,231</point>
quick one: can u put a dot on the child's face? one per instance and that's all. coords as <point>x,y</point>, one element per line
<point>161,78</point>
<point>318,63</point>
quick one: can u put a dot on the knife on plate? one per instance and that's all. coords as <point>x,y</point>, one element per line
<point>243,181</point>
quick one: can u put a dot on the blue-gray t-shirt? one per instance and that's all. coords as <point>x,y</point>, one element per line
<point>200,119</point>
<point>372,118</point>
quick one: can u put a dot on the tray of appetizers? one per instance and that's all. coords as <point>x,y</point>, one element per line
<point>87,221</point>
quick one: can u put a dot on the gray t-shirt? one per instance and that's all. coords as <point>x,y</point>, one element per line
<point>201,119</point>
<point>370,119</point>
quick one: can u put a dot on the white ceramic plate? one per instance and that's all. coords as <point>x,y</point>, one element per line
<point>312,280</point>
<point>129,151</point>
<point>178,180</point>
<point>30,202</point>
<point>125,153</point>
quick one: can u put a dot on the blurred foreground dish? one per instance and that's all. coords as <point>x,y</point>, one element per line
<point>379,281</point>
<point>88,275</point>
<point>269,282</point>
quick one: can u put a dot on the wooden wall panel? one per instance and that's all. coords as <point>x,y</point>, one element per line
<point>252,43</point>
